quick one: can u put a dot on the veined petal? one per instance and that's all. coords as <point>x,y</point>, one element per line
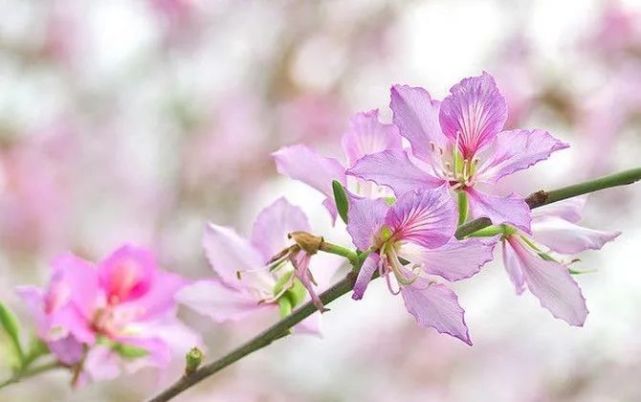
<point>425,217</point>
<point>229,253</point>
<point>273,224</point>
<point>434,305</point>
<point>514,267</point>
<point>567,237</point>
<point>570,210</point>
<point>365,218</point>
<point>453,261</point>
<point>367,135</point>
<point>510,209</point>
<point>552,284</point>
<point>218,301</point>
<point>473,113</point>
<point>370,265</point>
<point>516,150</point>
<point>417,117</point>
<point>301,163</point>
<point>394,169</point>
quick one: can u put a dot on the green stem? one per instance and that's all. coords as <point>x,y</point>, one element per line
<point>31,372</point>
<point>331,248</point>
<point>281,328</point>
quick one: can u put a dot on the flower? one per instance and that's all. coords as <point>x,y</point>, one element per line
<point>529,263</point>
<point>459,142</point>
<point>117,313</point>
<point>409,240</point>
<point>366,135</point>
<point>244,283</point>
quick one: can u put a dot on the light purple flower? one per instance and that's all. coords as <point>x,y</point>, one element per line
<point>459,142</point>
<point>409,240</point>
<point>244,284</point>
<point>365,135</point>
<point>123,302</point>
<point>529,261</point>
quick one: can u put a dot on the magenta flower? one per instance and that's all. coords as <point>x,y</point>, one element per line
<point>120,311</point>
<point>410,240</point>
<point>244,283</point>
<point>529,261</point>
<point>366,135</point>
<point>459,142</point>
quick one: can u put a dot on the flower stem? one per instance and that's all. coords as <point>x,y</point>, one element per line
<point>281,328</point>
<point>31,372</point>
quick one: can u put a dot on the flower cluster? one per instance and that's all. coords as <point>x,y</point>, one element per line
<point>402,189</point>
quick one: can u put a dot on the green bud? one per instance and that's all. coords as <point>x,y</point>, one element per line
<point>281,282</point>
<point>284,307</point>
<point>296,293</point>
<point>193,359</point>
<point>10,324</point>
<point>340,197</point>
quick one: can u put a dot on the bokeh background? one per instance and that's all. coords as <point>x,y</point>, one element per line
<point>139,120</point>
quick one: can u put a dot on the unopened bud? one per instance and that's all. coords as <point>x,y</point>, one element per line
<point>193,359</point>
<point>307,241</point>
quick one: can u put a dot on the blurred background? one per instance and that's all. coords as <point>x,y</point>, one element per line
<point>140,120</point>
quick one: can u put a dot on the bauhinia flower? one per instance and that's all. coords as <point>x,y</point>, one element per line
<point>118,313</point>
<point>365,135</point>
<point>532,261</point>
<point>459,142</point>
<point>263,274</point>
<point>411,240</point>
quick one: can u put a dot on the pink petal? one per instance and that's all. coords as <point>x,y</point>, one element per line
<point>395,170</point>
<point>434,305</point>
<point>218,301</point>
<point>568,238</point>
<point>229,253</point>
<point>516,150</point>
<point>570,210</point>
<point>367,135</point>
<point>510,209</point>
<point>365,218</point>
<point>301,163</point>
<point>370,265</point>
<point>514,267</point>
<point>272,225</point>
<point>453,261</point>
<point>426,217</point>
<point>473,114</point>
<point>552,284</point>
<point>416,115</point>
<point>159,299</point>
<point>68,350</point>
<point>127,273</point>
<point>310,325</point>
<point>81,279</point>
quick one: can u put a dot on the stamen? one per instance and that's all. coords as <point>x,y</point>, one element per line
<point>389,285</point>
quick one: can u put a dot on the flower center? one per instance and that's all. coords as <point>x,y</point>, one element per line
<point>454,167</point>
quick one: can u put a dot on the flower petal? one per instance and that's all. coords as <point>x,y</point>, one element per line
<point>273,224</point>
<point>514,267</point>
<point>453,261</point>
<point>510,209</point>
<point>367,135</point>
<point>128,273</point>
<point>552,284</point>
<point>434,305</point>
<point>218,301</point>
<point>417,117</point>
<point>311,325</point>
<point>516,150</point>
<point>394,169</point>
<point>229,253</point>
<point>426,217</point>
<point>473,114</point>
<point>570,210</point>
<point>301,163</point>
<point>569,238</point>
<point>81,278</point>
<point>370,265</point>
<point>365,218</point>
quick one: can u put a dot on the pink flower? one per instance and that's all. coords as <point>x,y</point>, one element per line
<point>459,142</point>
<point>366,135</point>
<point>244,284</point>
<point>122,309</point>
<point>529,261</point>
<point>412,239</point>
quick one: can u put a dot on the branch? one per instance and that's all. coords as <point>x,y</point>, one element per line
<point>31,372</point>
<point>281,328</point>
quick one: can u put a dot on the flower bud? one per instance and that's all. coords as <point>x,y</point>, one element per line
<point>193,359</point>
